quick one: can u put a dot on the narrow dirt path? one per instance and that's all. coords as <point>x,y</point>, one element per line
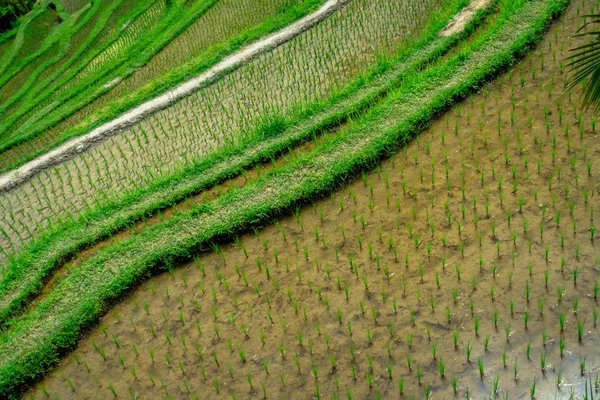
<point>461,20</point>
<point>232,62</point>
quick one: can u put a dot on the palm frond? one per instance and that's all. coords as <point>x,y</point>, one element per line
<point>584,63</point>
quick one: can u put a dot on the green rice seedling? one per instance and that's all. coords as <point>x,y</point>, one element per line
<point>561,321</point>
<point>494,389</point>
<point>533,387</point>
<point>476,325</point>
<point>480,367</point>
<point>525,319</point>
<point>455,339</point>
<point>559,293</point>
<point>249,379</point>
<point>561,345</point>
<point>580,329</point>
<point>263,386</point>
<point>543,361</point>
<point>468,350</point>
<point>401,386</point>
<point>528,350</point>
<point>541,306</point>
<point>582,362</point>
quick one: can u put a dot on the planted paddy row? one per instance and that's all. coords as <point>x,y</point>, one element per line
<point>349,253</point>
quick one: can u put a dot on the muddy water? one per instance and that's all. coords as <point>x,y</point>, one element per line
<point>400,247</point>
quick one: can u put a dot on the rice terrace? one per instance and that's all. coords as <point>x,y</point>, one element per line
<point>299,199</point>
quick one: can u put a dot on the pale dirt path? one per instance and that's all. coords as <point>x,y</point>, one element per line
<point>79,144</point>
<point>460,21</point>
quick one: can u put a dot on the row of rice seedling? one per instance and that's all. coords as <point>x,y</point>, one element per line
<point>179,17</point>
<point>325,304</point>
<point>226,19</point>
<point>115,268</point>
<point>272,84</point>
<point>134,30</point>
<point>26,273</point>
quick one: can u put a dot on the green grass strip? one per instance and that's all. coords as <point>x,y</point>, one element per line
<point>35,343</point>
<point>91,90</point>
<point>25,275</point>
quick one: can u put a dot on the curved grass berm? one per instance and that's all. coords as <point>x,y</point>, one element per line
<point>35,341</point>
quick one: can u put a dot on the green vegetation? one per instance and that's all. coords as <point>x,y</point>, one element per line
<point>318,221</point>
<point>31,343</point>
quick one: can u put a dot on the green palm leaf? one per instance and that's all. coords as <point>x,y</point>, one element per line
<point>584,63</point>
